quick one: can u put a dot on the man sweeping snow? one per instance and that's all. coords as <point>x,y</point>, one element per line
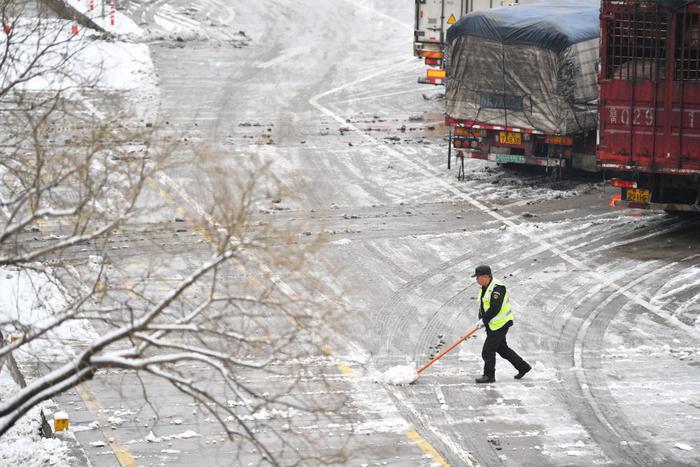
<point>496,316</point>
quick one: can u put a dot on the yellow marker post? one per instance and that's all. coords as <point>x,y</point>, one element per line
<point>60,421</point>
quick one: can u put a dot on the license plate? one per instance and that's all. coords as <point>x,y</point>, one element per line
<point>508,137</point>
<point>638,195</point>
<point>510,159</point>
<point>561,140</point>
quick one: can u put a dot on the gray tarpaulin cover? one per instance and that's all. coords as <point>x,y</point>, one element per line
<point>527,66</point>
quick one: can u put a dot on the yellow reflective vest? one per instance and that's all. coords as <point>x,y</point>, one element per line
<point>503,316</point>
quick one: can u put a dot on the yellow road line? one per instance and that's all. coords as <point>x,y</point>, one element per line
<point>120,451</point>
<point>413,435</point>
<point>427,448</point>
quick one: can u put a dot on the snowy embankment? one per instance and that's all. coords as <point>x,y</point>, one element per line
<point>30,300</point>
<point>23,444</point>
<point>28,297</point>
<point>93,63</point>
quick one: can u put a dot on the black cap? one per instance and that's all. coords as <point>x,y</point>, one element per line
<point>482,270</point>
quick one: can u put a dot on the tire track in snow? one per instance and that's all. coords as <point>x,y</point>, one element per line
<point>611,428</point>
<point>555,246</point>
<point>172,20</point>
<point>430,331</point>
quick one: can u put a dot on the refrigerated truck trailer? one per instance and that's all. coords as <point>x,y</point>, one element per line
<point>432,19</point>
<point>650,102</point>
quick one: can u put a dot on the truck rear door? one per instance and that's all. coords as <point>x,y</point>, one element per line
<point>433,17</point>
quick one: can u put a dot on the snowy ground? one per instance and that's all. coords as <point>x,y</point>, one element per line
<point>23,443</point>
<point>605,301</point>
<point>29,298</point>
<point>106,65</point>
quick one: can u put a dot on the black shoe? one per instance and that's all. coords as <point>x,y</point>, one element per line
<point>485,379</point>
<point>522,373</point>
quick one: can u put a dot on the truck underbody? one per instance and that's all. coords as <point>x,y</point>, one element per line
<point>508,145</point>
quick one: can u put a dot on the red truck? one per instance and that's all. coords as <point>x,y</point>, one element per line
<point>649,113</point>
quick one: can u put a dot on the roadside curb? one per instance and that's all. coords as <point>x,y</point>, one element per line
<point>75,449</point>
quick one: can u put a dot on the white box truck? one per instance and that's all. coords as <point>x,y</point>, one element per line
<point>433,18</point>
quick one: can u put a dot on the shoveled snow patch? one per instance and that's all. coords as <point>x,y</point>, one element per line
<point>152,438</point>
<point>342,241</point>
<point>389,425</point>
<point>184,435</point>
<point>400,375</point>
<point>269,414</point>
<point>92,426</point>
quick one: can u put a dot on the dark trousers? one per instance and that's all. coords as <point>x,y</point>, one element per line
<point>496,344</point>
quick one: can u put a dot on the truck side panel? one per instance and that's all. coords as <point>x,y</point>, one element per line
<point>650,88</point>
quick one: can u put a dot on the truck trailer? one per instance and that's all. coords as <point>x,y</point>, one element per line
<point>650,102</point>
<point>522,84</point>
<point>432,19</point>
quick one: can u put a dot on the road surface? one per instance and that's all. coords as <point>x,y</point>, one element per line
<point>606,301</point>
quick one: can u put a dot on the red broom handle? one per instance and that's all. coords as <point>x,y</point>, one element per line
<point>442,354</point>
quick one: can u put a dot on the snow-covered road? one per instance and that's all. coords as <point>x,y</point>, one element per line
<point>606,302</point>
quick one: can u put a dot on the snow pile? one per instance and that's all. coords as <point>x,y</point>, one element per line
<point>74,61</point>
<point>267,414</point>
<point>342,241</point>
<point>101,15</point>
<point>22,444</point>
<point>30,299</point>
<point>400,375</point>
<point>152,438</point>
<point>117,65</point>
<point>382,425</point>
<point>27,295</point>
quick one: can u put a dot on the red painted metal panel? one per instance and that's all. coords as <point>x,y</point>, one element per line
<point>650,88</point>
